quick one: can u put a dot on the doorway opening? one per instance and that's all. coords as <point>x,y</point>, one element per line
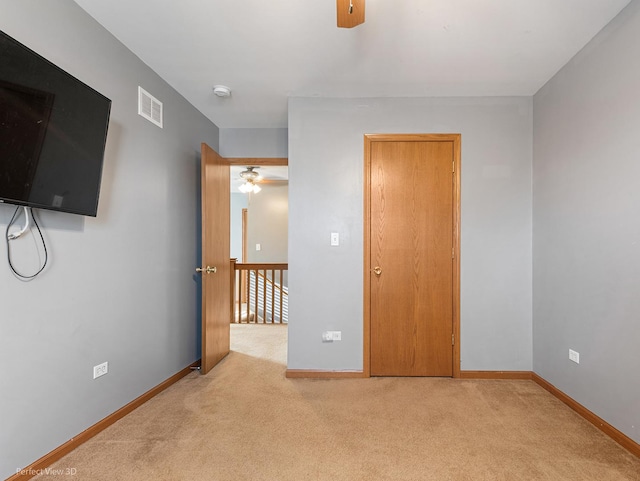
<point>218,270</point>
<point>259,245</point>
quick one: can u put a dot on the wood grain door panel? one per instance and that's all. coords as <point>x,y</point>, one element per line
<point>216,302</point>
<point>412,241</point>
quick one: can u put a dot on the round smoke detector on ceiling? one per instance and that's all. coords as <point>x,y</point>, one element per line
<point>222,91</point>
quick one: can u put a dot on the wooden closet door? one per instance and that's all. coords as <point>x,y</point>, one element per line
<point>412,246</point>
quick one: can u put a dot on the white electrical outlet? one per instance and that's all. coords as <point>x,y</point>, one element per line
<point>258,247</point>
<point>574,356</point>
<point>100,370</point>
<point>330,336</point>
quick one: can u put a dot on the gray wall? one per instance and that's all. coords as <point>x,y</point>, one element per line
<point>326,195</point>
<point>267,214</point>
<point>586,226</point>
<point>253,143</point>
<point>268,224</point>
<point>119,287</point>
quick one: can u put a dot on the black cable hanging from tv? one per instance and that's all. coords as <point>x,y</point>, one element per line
<point>10,237</point>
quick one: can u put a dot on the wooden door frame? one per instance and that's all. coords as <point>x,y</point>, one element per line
<point>245,213</point>
<point>368,140</point>
<point>243,274</point>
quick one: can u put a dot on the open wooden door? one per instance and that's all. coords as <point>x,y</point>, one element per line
<point>216,278</point>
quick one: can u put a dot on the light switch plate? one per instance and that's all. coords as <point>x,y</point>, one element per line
<point>574,356</point>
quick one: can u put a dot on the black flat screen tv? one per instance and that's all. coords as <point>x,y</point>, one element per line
<point>53,130</point>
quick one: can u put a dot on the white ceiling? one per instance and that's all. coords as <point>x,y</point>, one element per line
<point>269,50</point>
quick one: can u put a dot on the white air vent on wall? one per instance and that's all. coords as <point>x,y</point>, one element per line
<point>149,107</point>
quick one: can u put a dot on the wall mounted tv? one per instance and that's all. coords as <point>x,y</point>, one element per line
<point>53,130</point>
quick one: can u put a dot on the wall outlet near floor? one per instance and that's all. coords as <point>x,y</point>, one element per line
<point>100,370</point>
<point>574,356</point>
<point>330,336</point>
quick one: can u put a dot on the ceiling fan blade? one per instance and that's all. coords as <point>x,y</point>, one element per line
<point>350,13</point>
<point>274,181</point>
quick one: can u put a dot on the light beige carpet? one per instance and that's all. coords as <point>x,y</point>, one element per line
<point>246,421</point>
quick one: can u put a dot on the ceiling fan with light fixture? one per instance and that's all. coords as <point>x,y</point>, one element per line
<point>251,179</point>
<point>350,13</point>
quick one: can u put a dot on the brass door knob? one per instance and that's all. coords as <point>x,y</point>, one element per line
<point>207,270</point>
<point>377,271</point>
